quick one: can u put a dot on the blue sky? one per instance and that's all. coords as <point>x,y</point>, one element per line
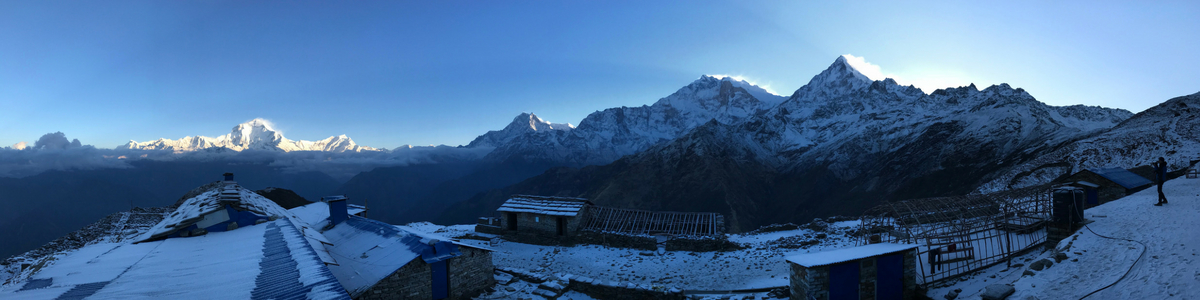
<point>442,72</point>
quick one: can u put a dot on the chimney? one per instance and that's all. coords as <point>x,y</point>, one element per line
<point>337,209</point>
<point>228,176</point>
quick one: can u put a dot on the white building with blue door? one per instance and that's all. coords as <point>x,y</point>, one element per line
<point>883,271</point>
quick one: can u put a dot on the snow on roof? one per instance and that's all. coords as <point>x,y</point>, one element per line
<point>825,258</point>
<point>368,251</point>
<point>317,212</point>
<point>269,260</point>
<point>545,205</point>
<point>194,209</point>
<point>1123,177</point>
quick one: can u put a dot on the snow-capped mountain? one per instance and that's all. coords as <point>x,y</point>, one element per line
<point>256,134</point>
<point>1165,130</point>
<point>604,136</point>
<point>522,124</point>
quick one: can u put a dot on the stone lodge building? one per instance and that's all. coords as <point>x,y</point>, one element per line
<point>880,271</point>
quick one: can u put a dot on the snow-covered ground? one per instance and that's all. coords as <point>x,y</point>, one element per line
<point>1169,268</point>
<point>761,265</point>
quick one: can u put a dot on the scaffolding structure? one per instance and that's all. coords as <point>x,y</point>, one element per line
<point>643,222</point>
<point>962,234</point>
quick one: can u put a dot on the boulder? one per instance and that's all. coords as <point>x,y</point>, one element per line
<point>1041,264</point>
<point>951,295</point>
<point>1059,257</point>
<point>997,292</point>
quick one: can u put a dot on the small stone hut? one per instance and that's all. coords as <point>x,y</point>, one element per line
<point>542,219</point>
<point>376,260</point>
<point>880,271</point>
<point>1113,183</point>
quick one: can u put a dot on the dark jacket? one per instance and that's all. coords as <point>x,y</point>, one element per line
<point>1160,171</point>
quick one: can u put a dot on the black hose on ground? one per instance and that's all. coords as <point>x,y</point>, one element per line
<point>1135,262</point>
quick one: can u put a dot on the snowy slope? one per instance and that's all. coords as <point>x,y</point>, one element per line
<point>1167,130</point>
<point>256,134</point>
<point>1169,268</point>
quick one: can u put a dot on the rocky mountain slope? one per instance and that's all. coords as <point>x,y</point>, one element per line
<point>1168,130</point>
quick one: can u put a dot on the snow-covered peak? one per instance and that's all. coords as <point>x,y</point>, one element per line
<point>839,79</point>
<point>256,134</point>
<point>530,121</point>
<point>841,67</point>
<point>522,124</point>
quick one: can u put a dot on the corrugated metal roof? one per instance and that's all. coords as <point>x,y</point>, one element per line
<point>368,251</point>
<point>266,261</point>
<point>280,276</point>
<point>1123,177</point>
<point>553,206</point>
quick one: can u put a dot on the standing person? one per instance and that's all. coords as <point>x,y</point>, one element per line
<point>1160,172</point>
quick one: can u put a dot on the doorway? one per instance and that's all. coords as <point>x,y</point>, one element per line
<point>889,281</point>
<point>441,280</point>
<point>843,281</point>
<point>512,221</point>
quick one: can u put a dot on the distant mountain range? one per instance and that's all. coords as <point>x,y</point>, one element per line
<point>838,145</point>
<point>256,134</point>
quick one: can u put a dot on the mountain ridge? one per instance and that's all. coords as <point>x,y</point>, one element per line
<point>837,144</point>
<point>256,134</point>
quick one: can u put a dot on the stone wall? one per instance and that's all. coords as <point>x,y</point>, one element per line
<point>1055,233</point>
<point>809,283</point>
<point>412,281</point>
<point>537,229</point>
<point>868,276</point>
<point>620,290</point>
<point>470,274</point>
<point>702,244</point>
<point>617,240</point>
<point>489,229</point>
<point>910,274</point>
